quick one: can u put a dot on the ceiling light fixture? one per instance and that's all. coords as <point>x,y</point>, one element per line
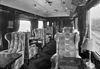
<point>56,10</point>
<point>35,5</point>
<point>64,2</point>
<point>66,8</point>
<point>49,2</point>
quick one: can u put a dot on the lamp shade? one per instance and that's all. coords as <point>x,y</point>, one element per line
<point>88,44</point>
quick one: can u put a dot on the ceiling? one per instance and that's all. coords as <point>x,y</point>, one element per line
<point>42,7</point>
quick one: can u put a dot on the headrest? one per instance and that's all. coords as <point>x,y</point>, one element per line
<point>75,31</point>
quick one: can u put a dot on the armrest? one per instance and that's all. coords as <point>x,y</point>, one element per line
<point>4,51</point>
<point>32,52</point>
<point>96,55</point>
<point>21,52</point>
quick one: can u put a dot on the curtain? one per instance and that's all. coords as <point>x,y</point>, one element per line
<point>45,23</point>
<point>34,24</point>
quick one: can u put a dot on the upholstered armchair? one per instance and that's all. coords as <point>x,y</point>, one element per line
<point>19,49</point>
<point>16,44</point>
<point>39,38</point>
<point>67,46</point>
<point>33,50</point>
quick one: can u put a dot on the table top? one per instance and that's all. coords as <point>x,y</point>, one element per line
<point>7,59</point>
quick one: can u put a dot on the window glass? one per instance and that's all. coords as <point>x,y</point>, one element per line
<point>40,24</point>
<point>25,26</point>
<point>95,27</point>
<point>47,23</point>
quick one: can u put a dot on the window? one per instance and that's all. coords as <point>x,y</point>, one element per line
<point>40,24</point>
<point>25,26</point>
<point>47,23</point>
<point>95,27</point>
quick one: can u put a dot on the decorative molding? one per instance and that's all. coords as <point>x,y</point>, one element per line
<point>1,10</point>
<point>7,0</point>
<point>79,2</point>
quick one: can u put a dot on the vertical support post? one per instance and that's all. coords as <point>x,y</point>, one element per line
<point>26,52</point>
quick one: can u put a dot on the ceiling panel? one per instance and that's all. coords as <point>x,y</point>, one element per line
<point>41,7</point>
<point>24,5</point>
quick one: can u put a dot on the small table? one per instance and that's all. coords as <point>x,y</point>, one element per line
<point>6,60</point>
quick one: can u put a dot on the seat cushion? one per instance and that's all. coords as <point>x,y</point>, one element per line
<point>70,63</point>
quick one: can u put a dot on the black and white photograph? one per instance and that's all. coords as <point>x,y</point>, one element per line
<point>49,34</point>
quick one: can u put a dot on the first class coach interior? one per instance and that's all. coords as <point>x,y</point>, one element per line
<point>49,34</point>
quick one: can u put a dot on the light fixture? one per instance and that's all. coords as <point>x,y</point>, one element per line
<point>55,10</point>
<point>35,5</point>
<point>49,2</point>
<point>64,2</point>
<point>66,8</point>
<point>89,45</point>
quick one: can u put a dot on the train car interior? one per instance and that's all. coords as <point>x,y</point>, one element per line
<point>49,34</point>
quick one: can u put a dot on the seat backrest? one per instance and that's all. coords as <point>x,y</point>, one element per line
<point>17,42</point>
<point>66,47</point>
<point>21,41</point>
<point>39,33</point>
<point>8,37</point>
<point>65,44</point>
